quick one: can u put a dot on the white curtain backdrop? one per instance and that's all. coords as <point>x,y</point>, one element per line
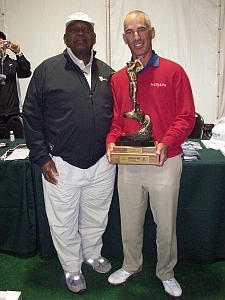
<point>189,32</point>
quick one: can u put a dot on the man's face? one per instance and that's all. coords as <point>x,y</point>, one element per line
<point>80,37</point>
<point>138,36</point>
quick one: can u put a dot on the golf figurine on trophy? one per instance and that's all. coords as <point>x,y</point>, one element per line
<point>138,147</point>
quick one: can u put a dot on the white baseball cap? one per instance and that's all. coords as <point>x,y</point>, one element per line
<point>218,135</point>
<point>79,16</point>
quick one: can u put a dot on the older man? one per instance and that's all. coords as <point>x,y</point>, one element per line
<point>67,114</point>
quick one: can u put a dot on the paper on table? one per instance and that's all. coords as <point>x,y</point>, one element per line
<point>222,150</point>
<point>206,143</point>
<point>10,295</point>
<point>18,154</point>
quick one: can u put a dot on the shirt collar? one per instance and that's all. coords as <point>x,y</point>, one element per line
<point>153,62</point>
<point>80,62</point>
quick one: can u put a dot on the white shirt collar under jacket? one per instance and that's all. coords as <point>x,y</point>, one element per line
<point>85,69</point>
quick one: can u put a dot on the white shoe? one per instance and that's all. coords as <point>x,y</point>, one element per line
<point>120,276</point>
<point>172,288</point>
<point>100,265</point>
<point>75,282</point>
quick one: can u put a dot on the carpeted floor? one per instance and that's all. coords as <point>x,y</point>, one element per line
<point>40,279</point>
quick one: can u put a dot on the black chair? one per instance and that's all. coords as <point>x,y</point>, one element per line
<point>15,124</point>
<point>197,131</point>
<point>207,131</point>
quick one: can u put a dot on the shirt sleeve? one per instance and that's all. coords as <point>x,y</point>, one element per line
<point>23,69</point>
<point>33,120</point>
<point>184,120</point>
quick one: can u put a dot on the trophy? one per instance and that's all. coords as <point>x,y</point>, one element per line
<point>138,147</point>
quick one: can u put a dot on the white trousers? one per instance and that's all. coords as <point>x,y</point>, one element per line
<point>162,184</point>
<point>77,210</point>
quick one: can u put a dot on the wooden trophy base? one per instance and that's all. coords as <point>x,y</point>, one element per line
<point>134,155</point>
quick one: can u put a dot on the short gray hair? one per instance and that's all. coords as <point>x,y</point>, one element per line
<point>139,12</point>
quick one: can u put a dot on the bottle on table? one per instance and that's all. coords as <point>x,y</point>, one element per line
<point>11,136</point>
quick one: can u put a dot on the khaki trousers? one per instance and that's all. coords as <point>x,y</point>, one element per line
<point>135,183</point>
<point>77,210</point>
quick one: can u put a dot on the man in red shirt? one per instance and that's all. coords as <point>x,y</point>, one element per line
<point>164,93</point>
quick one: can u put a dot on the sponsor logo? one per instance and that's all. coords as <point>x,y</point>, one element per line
<point>158,84</point>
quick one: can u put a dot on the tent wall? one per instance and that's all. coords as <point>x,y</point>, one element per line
<point>187,31</point>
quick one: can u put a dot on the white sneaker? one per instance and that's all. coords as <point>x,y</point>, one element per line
<point>172,288</point>
<point>120,276</point>
<point>75,281</point>
<point>100,265</point>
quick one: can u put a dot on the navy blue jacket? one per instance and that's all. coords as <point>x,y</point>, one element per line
<point>9,100</point>
<point>63,116</point>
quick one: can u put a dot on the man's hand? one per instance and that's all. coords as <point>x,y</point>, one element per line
<point>2,46</point>
<point>161,150</point>
<point>109,149</point>
<point>14,47</point>
<point>49,171</point>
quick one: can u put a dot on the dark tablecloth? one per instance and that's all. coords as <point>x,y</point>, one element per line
<point>200,220</point>
<point>17,206</point>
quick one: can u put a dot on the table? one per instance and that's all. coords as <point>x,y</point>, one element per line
<point>23,222</point>
<point>200,221</point>
<point>17,207</point>
<point>201,212</point>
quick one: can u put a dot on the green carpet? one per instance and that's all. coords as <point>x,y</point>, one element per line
<point>40,279</point>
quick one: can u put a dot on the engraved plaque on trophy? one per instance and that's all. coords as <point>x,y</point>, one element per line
<point>138,147</point>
